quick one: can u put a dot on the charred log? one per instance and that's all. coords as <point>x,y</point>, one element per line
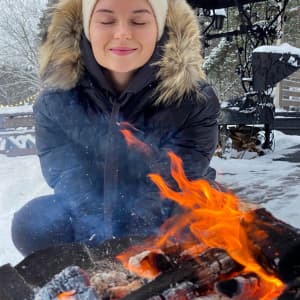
<point>270,240</point>
<point>289,265</point>
<point>289,272</point>
<point>239,286</point>
<point>210,267</point>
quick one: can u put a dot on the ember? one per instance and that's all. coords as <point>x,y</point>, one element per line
<point>67,295</point>
<point>71,284</point>
<point>210,219</point>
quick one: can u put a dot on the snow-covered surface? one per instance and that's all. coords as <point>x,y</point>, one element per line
<point>273,184</point>
<point>16,109</point>
<point>283,48</point>
<point>21,180</point>
<point>218,12</point>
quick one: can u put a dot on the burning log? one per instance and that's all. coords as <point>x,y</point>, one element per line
<point>210,267</point>
<point>270,238</point>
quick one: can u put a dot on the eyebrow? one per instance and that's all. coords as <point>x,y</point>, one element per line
<point>142,11</point>
<point>139,11</point>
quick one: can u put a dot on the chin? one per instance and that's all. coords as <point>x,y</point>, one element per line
<point>124,69</point>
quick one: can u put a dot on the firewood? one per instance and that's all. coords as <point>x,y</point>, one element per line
<point>154,262</point>
<point>239,287</point>
<point>204,272</point>
<point>270,238</point>
<point>289,265</point>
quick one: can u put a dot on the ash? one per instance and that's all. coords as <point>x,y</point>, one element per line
<point>72,278</point>
<point>111,280</point>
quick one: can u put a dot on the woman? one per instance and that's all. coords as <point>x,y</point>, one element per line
<point>108,65</point>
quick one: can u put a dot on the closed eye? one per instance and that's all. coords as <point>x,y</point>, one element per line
<point>107,23</point>
<point>138,23</point>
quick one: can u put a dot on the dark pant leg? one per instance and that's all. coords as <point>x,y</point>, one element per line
<point>41,223</point>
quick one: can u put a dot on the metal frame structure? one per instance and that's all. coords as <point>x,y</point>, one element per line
<point>256,106</point>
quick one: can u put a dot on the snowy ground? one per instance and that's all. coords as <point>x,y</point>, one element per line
<point>266,180</point>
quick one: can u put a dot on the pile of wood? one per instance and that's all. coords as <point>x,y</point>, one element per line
<point>240,142</point>
<point>211,274</point>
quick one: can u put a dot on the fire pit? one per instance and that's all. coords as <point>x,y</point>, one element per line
<point>35,271</point>
<point>216,248</point>
<point>176,273</point>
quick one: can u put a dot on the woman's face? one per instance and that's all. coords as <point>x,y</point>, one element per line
<point>123,34</point>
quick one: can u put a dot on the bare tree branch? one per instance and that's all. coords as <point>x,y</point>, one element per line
<point>19,48</point>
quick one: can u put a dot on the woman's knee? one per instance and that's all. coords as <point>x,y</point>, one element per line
<point>39,224</point>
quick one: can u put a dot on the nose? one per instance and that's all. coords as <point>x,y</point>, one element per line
<point>123,32</point>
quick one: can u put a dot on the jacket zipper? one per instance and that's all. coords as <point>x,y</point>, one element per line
<point>110,190</point>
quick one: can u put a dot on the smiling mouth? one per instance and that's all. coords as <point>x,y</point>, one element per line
<point>122,51</point>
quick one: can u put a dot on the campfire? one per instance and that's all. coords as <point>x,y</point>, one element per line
<point>210,240</point>
<point>217,248</point>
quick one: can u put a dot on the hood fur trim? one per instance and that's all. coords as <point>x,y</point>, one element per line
<point>60,58</point>
<point>180,65</point>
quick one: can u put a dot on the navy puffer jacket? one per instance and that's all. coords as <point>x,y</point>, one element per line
<point>79,117</point>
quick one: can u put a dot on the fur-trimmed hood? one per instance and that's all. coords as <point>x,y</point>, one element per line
<point>180,69</point>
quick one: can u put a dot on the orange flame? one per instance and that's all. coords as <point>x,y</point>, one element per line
<point>67,295</point>
<point>132,141</point>
<point>214,218</point>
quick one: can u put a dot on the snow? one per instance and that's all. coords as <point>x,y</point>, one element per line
<point>271,183</point>
<point>21,180</point>
<point>293,62</point>
<point>218,12</point>
<point>27,108</point>
<point>282,49</point>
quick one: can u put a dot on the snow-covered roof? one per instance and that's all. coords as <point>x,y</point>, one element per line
<point>282,49</point>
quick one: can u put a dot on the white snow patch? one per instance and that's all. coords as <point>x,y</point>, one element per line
<point>21,181</point>
<point>16,109</point>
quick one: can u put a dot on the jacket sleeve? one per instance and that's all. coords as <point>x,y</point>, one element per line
<point>195,139</point>
<point>64,148</point>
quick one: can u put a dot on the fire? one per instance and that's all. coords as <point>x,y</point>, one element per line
<point>212,217</point>
<point>132,140</point>
<point>69,295</point>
